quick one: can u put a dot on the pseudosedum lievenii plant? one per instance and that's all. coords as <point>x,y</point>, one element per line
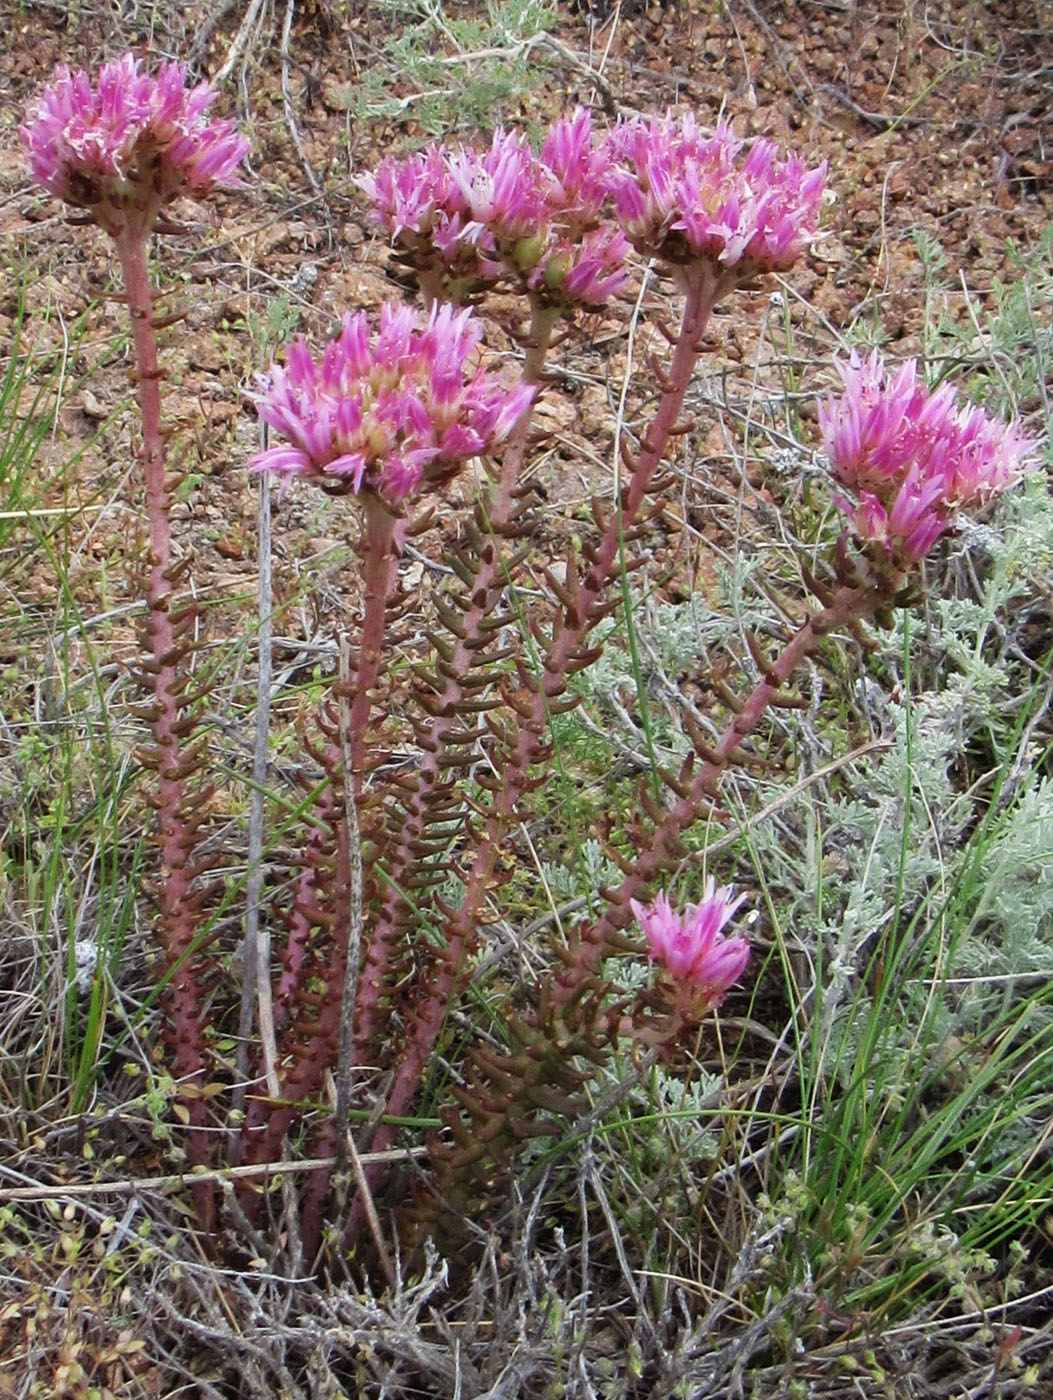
<point>120,148</point>
<point>388,414</point>
<point>403,864</point>
<point>913,458</point>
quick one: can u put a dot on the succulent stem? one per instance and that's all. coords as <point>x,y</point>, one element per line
<point>704,287</point>
<point>166,630</point>
<point>848,605</point>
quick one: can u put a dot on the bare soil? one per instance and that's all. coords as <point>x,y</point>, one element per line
<point>933,118</point>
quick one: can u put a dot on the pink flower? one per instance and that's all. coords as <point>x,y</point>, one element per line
<point>464,219</point>
<point>585,269</point>
<point>908,526</point>
<point>683,197</point>
<point>388,412</point>
<point>882,423</point>
<point>122,148</point>
<point>408,195</point>
<point>692,947</point>
<point>422,209</point>
<point>573,166</point>
<point>983,457</point>
<point>500,188</point>
<point>913,456</point>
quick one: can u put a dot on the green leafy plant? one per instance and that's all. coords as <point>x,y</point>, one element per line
<point>461,70</point>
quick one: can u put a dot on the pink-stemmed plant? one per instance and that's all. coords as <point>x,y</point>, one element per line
<point>120,149</point>
<point>582,177</point>
<point>945,458</point>
<point>924,460</point>
<point>404,858</point>
<point>387,418</point>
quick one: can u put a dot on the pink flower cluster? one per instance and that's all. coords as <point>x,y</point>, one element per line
<point>913,457</point>
<point>384,413</point>
<point>559,222</point>
<point>682,196</point>
<point>464,219</point>
<point>692,947</point>
<point>123,147</point>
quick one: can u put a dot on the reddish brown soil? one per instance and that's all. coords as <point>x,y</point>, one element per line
<point>931,117</point>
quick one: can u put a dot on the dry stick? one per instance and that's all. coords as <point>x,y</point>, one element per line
<point>181,1180</point>
<point>256,955</point>
<point>239,43</point>
<point>178,917</point>
<point>382,540</point>
<point>309,1037</point>
<point>287,102</point>
<point>703,288</point>
<point>522,50</point>
<point>365,1196</point>
<point>344,1066</point>
<point>760,817</point>
<point>205,31</point>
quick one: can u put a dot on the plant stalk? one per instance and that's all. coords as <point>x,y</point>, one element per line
<point>488,580</point>
<point>704,287</point>
<point>849,604</point>
<point>178,817</point>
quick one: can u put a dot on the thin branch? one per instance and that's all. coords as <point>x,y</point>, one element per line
<point>239,44</point>
<point>346,1145</point>
<point>256,956</point>
<point>287,102</point>
<point>344,1067</point>
<point>182,1180</point>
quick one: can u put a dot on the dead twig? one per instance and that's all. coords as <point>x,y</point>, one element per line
<point>287,102</point>
<point>239,44</point>
<point>181,1180</point>
<point>256,957</point>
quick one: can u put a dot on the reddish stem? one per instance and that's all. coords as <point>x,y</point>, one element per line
<point>431,778</point>
<point>380,548</point>
<point>383,535</point>
<point>847,605</point>
<point>704,287</point>
<point>311,1020</point>
<point>321,931</point>
<point>178,917</point>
